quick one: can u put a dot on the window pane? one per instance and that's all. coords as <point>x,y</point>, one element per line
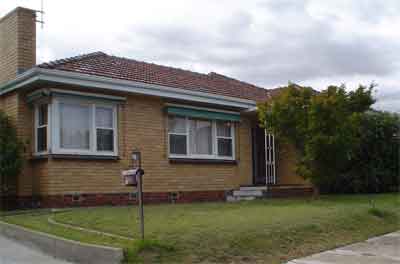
<point>224,129</point>
<point>105,140</point>
<point>42,114</point>
<point>225,147</point>
<point>177,144</point>
<point>104,117</point>
<point>200,137</point>
<point>74,126</point>
<point>176,124</point>
<point>42,139</point>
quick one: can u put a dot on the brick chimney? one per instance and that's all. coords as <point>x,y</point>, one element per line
<point>17,43</point>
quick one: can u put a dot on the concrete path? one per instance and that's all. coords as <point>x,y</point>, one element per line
<point>379,250</point>
<point>12,252</point>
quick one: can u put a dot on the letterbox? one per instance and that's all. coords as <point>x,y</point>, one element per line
<point>130,176</point>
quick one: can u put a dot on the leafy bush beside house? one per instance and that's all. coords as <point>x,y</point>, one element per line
<point>11,159</point>
<point>376,162</point>
<point>328,129</point>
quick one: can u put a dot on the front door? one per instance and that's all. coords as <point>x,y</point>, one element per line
<point>264,171</point>
<point>259,164</point>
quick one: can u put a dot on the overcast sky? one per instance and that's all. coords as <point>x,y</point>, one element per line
<point>268,43</point>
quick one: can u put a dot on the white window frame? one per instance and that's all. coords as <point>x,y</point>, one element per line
<point>37,126</point>
<point>179,134</point>
<point>232,138</point>
<point>214,141</point>
<point>113,128</point>
<point>92,104</point>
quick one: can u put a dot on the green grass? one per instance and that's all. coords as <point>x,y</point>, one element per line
<point>265,231</point>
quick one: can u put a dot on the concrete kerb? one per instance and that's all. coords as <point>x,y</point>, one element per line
<point>62,248</point>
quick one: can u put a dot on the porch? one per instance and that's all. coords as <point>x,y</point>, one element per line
<point>274,169</point>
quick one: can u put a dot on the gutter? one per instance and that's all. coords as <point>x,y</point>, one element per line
<point>93,82</point>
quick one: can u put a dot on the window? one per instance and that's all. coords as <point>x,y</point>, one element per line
<point>200,138</point>
<point>104,129</point>
<point>75,123</point>
<point>177,135</point>
<point>224,139</point>
<point>75,126</point>
<point>41,124</point>
<point>84,127</point>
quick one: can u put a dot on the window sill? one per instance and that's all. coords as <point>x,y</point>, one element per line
<point>74,156</point>
<point>201,161</point>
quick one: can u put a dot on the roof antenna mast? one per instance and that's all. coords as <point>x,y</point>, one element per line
<point>41,11</point>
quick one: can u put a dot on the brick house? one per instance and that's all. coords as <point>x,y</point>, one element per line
<point>83,116</point>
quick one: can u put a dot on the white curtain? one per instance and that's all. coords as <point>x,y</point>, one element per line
<point>104,117</point>
<point>75,125</point>
<point>200,137</point>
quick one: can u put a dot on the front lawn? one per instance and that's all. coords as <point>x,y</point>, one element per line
<point>264,231</point>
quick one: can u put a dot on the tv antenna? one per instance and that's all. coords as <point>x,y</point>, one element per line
<point>41,12</point>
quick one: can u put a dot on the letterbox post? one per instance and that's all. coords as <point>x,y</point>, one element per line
<point>136,158</point>
<point>141,213</point>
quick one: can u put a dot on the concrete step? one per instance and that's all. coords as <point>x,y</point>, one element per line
<point>253,188</point>
<point>244,193</point>
<point>232,198</point>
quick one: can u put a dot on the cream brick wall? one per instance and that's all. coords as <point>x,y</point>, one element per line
<point>286,166</point>
<point>142,125</point>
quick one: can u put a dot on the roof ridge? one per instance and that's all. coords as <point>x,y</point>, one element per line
<point>203,75</point>
<point>112,66</point>
<point>53,63</point>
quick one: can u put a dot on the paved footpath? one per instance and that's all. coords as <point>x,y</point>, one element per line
<point>11,252</point>
<point>379,250</point>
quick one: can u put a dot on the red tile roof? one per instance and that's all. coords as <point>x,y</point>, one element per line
<point>101,64</point>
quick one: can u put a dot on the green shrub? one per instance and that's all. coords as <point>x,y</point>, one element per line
<point>375,165</point>
<point>323,126</point>
<point>11,158</point>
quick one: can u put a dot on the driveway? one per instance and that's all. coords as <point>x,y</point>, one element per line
<point>379,250</point>
<point>12,252</point>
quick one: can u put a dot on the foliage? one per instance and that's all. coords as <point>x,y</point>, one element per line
<point>11,153</point>
<point>375,164</point>
<point>323,126</point>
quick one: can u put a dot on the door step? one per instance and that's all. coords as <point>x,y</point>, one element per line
<point>231,198</point>
<point>253,188</point>
<point>247,193</point>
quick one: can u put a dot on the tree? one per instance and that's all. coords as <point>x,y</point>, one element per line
<point>323,126</point>
<point>11,156</point>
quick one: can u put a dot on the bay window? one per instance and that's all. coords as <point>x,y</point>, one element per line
<point>200,138</point>
<point>78,126</point>
<point>84,127</point>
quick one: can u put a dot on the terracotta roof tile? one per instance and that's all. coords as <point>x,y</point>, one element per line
<point>101,64</point>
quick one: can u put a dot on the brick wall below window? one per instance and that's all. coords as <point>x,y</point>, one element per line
<point>117,199</point>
